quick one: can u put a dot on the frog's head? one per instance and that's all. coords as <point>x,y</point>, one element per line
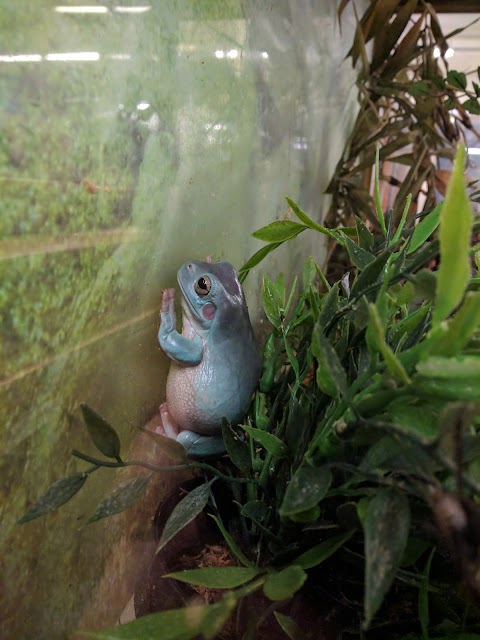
<point>211,293</point>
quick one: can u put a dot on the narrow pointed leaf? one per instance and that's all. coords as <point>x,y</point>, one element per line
<point>321,552</point>
<point>371,275</point>
<point>455,232</point>
<point>308,486</point>
<point>386,528</point>
<point>185,511</point>
<point>237,449</point>
<point>270,442</point>
<point>284,584</point>
<point>327,357</point>
<point>176,624</point>
<point>256,259</point>
<point>289,626</point>
<point>311,224</point>
<point>59,493</point>
<point>122,498</point>
<point>272,304</point>
<point>330,306</point>
<point>216,577</point>
<point>376,334</point>
<point>279,231</point>
<point>425,228</point>
<point>460,328</point>
<point>234,548</point>
<point>365,236</point>
<point>103,435</point>
<point>360,257</point>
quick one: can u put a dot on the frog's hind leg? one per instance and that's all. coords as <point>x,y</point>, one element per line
<point>198,446</point>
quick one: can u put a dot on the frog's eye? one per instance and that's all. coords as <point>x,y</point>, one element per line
<point>203,286</point>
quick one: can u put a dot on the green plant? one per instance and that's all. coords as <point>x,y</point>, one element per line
<point>356,474</point>
<point>409,100</point>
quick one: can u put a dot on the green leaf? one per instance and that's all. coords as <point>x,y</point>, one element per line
<point>448,389</point>
<point>308,486</point>
<point>425,228</point>
<point>460,368</point>
<point>408,324</point>
<point>291,357</point>
<point>425,283</point>
<point>272,302</point>
<point>103,435</point>
<point>123,497</point>
<point>423,612</point>
<point>289,626</point>
<point>57,494</point>
<point>284,584</point>
<point>176,624</point>
<point>330,306</point>
<point>358,256</point>
<point>270,442</point>
<point>457,79</point>
<point>256,259</point>
<point>472,106</point>
<point>418,419</point>
<point>365,236</point>
<point>419,88</point>
<point>328,359</point>
<point>234,548</point>
<point>377,334</point>
<point>386,528</point>
<point>237,449</point>
<point>455,231</point>
<point>256,510</point>
<point>308,222</point>
<point>371,275</point>
<point>186,510</point>
<point>171,448</point>
<point>459,329</point>
<point>215,577</point>
<point>321,552</point>
<point>279,231</point>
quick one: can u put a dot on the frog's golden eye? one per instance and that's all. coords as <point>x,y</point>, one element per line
<point>203,286</point>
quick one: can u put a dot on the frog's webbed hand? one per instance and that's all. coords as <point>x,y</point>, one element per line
<point>177,347</point>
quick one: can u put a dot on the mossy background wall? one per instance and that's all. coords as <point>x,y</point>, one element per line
<point>174,136</point>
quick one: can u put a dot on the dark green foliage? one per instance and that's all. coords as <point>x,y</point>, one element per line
<point>362,436</point>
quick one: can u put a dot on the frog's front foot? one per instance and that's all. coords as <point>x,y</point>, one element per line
<point>199,446</point>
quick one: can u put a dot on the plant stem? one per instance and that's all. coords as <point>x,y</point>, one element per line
<point>154,467</point>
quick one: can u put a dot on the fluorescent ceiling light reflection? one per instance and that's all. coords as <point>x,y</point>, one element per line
<point>141,106</point>
<point>138,9</point>
<point>219,53</point>
<point>265,55</point>
<point>233,53</point>
<point>120,56</point>
<point>24,57</point>
<point>73,57</point>
<point>81,9</point>
<point>474,151</point>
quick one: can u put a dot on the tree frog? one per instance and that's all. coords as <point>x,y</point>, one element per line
<point>215,361</point>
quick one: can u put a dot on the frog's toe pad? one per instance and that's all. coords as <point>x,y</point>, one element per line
<point>198,446</point>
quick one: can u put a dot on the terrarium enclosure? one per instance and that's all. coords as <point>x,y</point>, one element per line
<point>134,137</point>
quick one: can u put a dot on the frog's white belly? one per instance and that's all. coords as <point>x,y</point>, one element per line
<point>199,397</point>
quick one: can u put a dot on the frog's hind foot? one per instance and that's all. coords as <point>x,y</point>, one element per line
<point>198,446</point>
